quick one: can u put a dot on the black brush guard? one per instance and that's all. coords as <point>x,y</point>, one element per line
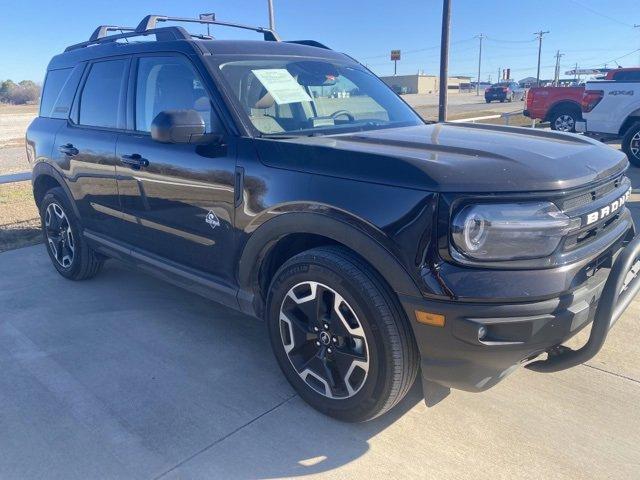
<point>616,297</point>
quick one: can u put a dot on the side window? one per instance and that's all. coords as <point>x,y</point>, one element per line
<point>59,89</point>
<point>100,101</point>
<point>169,83</point>
<point>52,88</point>
<point>630,76</point>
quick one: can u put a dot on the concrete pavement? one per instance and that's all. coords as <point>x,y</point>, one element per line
<point>125,376</point>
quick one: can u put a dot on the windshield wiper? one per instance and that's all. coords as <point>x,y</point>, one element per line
<point>289,135</point>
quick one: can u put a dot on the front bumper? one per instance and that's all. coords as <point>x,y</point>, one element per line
<point>458,355</point>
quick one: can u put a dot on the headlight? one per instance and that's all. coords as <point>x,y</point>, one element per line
<point>512,231</point>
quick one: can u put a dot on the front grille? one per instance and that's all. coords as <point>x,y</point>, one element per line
<point>594,200</point>
<point>592,195</point>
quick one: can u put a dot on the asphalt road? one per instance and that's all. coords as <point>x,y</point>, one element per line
<point>125,376</point>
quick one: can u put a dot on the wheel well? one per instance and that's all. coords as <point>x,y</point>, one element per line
<point>42,185</point>
<point>627,124</point>
<point>572,106</point>
<point>284,249</point>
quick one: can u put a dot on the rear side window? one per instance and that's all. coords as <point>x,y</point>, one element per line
<point>53,85</point>
<point>632,76</point>
<point>101,100</point>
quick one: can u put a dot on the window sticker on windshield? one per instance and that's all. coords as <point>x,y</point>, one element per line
<point>281,85</point>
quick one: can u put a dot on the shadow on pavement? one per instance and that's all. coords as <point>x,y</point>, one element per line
<point>125,376</point>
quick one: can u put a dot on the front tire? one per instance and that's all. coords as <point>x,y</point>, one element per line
<point>631,144</point>
<point>339,335</point>
<point>70,254</point>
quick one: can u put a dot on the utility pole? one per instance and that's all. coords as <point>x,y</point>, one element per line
<point>575,72</point>
<point>444,60</point>
<point>498,78</point>
<point>480,37</point>
<point>272,22</point>
<point>556,75</point>
<point>539,34</point>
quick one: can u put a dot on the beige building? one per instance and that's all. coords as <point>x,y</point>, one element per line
<point>420,83</point>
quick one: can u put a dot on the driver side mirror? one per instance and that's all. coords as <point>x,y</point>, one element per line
<point>181,126</point>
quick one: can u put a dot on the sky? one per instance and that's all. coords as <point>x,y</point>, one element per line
<point>588,32</point>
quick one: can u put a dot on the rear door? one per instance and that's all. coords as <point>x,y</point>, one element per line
<point>180,205</point>
<point>85,145</point>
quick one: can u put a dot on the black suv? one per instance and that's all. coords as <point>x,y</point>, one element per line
<point>287,181</point>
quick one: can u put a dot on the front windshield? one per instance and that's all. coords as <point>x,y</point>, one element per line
<point>294,96</point>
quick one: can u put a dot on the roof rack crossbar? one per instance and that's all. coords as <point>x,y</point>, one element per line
<point>103,30</point>
<point>162,34</point>
<point>148,26</point>
<point>150,22</point>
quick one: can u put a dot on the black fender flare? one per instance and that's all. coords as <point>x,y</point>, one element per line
<point>341,230</point>
<point>41,169</point>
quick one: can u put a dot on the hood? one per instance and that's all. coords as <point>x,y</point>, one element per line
<point>452,158</point>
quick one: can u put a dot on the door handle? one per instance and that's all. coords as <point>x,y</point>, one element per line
<point>68,149</point>
<point>135,161</point>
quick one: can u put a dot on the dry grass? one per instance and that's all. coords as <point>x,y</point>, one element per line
<point>18,109</point>
<point>19,219</point>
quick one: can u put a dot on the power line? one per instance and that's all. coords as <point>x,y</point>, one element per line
<point>491,39</point>
<point>600,14</point>
<point>417,50</point>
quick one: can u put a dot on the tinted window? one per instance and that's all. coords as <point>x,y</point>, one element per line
<point>627,76</point>
<point>100,101</point>
<point>52,87</point>
<point>168,83</point>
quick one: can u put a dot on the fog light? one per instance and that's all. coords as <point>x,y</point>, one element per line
<point>482,332</point>
<point>433,319</point>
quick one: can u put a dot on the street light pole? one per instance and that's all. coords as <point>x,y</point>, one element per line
<point>444,60</point>
<point>481,36</point>
<point>540,34</point>
<point>272,22</point>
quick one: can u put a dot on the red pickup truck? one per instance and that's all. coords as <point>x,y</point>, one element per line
<point>560,106</point>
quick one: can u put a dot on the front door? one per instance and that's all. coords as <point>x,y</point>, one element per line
<point>177,199</point>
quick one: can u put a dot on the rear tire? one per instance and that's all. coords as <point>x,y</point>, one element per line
<point>70,254</point>
<point>339,335</point>
<point>631,144</point>
<point>564,120</point>
<point>487,100</point>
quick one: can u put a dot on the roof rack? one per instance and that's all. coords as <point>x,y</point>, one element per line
<point>103,30</point>
<point>148,26</point>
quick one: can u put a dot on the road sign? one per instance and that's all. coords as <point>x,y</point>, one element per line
<point>395,55</point>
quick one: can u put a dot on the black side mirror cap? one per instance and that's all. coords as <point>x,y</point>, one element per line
<point>181,126</point>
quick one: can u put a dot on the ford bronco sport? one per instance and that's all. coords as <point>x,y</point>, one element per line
<point>285,180</point>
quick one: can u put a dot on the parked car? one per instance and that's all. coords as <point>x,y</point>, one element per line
<point>374,245</point>
<point>504,91</point>
<point>611,110</point>
<point>562,106</point>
